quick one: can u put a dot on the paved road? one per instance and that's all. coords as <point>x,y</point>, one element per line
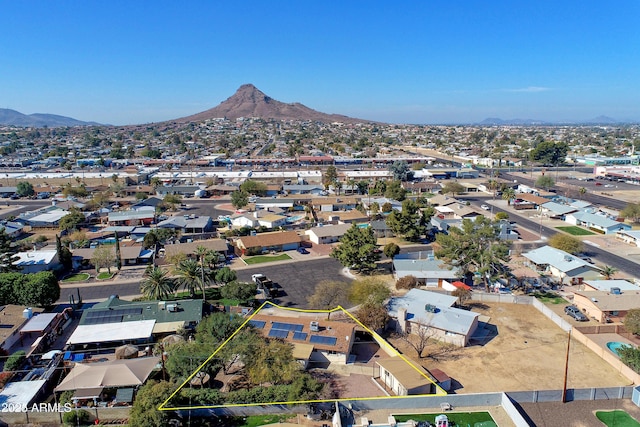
<point>601,255</point>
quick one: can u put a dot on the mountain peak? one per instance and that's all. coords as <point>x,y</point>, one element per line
<point>249,101</point>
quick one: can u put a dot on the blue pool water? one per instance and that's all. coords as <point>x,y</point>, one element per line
<point>295,218</point>
<point>615,345</point>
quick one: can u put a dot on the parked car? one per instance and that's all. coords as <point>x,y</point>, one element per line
<point>302,250</point>
<point>485,207</point>
<point>574,312</point>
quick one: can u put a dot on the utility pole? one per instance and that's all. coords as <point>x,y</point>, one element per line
<point>566,370</point>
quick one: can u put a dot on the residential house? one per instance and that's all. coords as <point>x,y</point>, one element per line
<point>277,241</point>
<point>188,224</point>
<point>189,248</point>
<point>331,204</point>
<point>630,237</point>
<point>611,286</point>
<point>12,229</point>
<point>606,307</point>
<point>557,210</point>
<point>562,266</point>
<point>36,261</point>
<point>48,217</point>
<point>129,255</point>
<point>14,317</point>
<point>599,223</point>
<point>140,216</point>
<point>425,267</point>
<point>327,234</point>
<point>118,321</point>
<point>433,311</point>
<point>332,341</point>
<point>315,189</point>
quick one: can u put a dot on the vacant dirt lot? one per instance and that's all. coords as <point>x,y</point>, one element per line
<point>528,353</point>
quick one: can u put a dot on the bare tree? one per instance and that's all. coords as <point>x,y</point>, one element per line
<point>419,336</point>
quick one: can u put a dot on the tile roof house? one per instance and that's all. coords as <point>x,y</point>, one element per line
<point>433,310</point>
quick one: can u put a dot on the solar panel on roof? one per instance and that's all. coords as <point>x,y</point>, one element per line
<point>258,324</point>
<point>286,326</point>
<point>300,336</point>
<point>278,333</point>
<point>319,339</point>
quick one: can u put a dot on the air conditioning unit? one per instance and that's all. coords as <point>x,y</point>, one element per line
<point>314,326</point>
<point>172,307</point>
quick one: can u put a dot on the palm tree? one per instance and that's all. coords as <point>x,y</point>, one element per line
<point>509,194</point>
<point>608,272</point>
<point>156,284</point>
<point>189,277</point>
<point>201,252</point>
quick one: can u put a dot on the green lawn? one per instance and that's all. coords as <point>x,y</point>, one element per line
<point>481,419</point>
<point>78,277</point>
<point>260,420</point>
<point>259,259</point>
<point>576,231</point>
<point>617,419</point>
<point>104,276</point>
<point>549,298</point>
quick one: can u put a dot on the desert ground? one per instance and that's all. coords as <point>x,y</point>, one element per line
<point>528,353</point>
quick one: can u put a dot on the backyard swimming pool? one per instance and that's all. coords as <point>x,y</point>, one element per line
<point>614,346</point>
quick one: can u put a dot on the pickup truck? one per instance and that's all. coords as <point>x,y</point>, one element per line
<point>265,285</point>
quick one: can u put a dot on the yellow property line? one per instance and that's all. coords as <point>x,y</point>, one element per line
<point>378,338</point>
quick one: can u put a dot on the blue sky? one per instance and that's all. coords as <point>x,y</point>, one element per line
<point>436,61</point>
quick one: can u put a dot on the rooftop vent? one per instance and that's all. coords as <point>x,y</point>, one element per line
<point>430,308</point>
<point>616,291</point>
<point>568,258</point>
<point>314,326</point>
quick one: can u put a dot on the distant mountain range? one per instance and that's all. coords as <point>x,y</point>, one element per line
<point>16,118</point>
<point>248,101</point>
<point>600,120</point>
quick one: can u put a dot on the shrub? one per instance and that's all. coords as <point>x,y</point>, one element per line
<point>406,282</point>
<point>76,417</point>
<point>15,361</point>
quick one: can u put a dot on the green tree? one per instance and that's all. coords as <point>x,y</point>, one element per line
<point>330,176</point>
<point>463,295</point>
<point>256,188</point>
<point>401,171</point>
<point>72,220</point>
<point>188,276</point>
<point>273,363</point>
<point>150,396</point>
<point>15,361</point>
<point>407,223</point>
<point>328,295</point>
<point>25,189</point>
<point>239,199</point>
<point>567,243</point>
<point>372,315</point>
<point>118,254</point>
<point>395,191</point>
<point>7,253</point>
<point>357,249</point>
<point>501,215</point>
<point>391,250</point>
<point>632,321</point>
<point>217,327</point>
<point>453,188</point>
<point>369,289</point>
<point>631,211</point>
<point>37,289</point>
<point>172,200</point>
<point>550,153</point>
<point>241,291</point>
<point>508,194</point>
<point>608,272</point>
<point>156,284</point>
<point>64,254</point>
<point>475,248</point>
<point>545,181</point>
<point>103,257</point>
<point>225,275</point>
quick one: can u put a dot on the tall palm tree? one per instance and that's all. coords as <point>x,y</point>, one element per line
<point>608,272</point>
<point>189,277</point>
<point>509,194</point>
<point>156,284</point>
<point>201,253</point>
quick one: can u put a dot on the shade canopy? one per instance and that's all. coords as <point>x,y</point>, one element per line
<point>115,373</point>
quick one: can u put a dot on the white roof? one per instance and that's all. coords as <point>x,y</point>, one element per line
<point>138,329</point>
<point>39,323</point>
<point>606,285</point>
<point>49,217</point>
<point>41,257</point>
<point>21,393</point>
<point>561,260</point>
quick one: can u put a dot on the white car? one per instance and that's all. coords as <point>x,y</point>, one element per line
<point>485,207</point>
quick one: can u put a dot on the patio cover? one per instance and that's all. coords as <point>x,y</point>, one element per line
<point>39,323</point>
<point>108,332</point>
<point>88,393</point>
<point>115,373</point>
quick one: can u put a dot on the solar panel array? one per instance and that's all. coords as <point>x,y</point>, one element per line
<point>278,333</point>
<point>300,336</point>
<point>318,339</point>
<point>286,326</point>
<point>96,317</point>
<point>258,324</point>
